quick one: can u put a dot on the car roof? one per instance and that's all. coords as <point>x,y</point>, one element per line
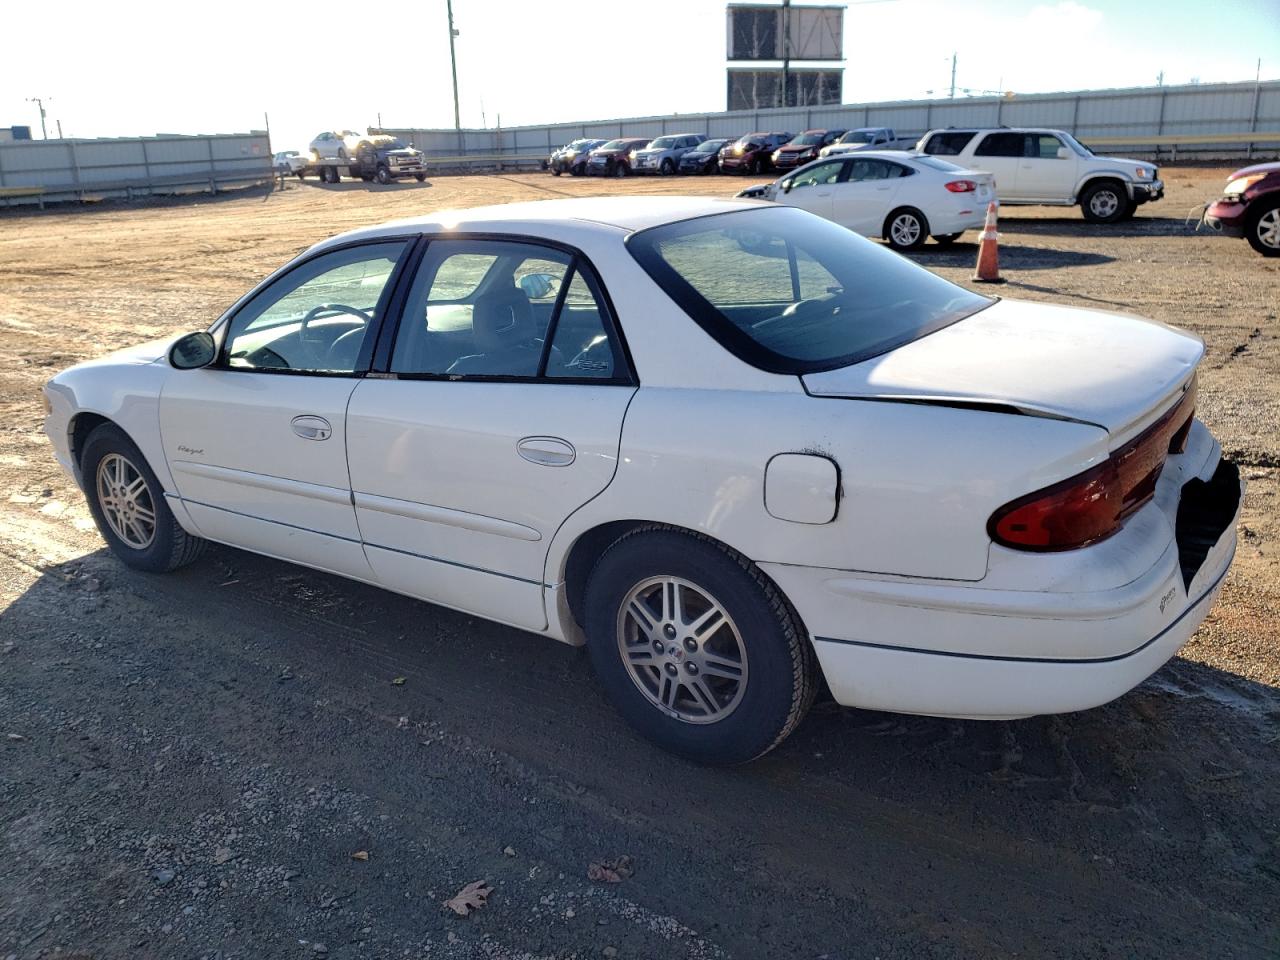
<point>593,214</point>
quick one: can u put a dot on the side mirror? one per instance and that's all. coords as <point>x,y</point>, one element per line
<point>786,185</point>
<point>536,286</point>
<point>1064,153</point>
<point>193,351</point>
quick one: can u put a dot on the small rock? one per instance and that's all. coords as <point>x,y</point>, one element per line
<point>91,584</point>
<point>509,851</point>
<point>569,914</point>
<point>167,928</point>
<point>188,911</point>
<point>610,951</point>
<point>222,855</point>
<point>163,876</point>
<point>319,948</point>
<point>16,737</point>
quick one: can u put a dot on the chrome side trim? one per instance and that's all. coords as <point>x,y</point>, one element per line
<point>446,516</point>
<point>261,481</point>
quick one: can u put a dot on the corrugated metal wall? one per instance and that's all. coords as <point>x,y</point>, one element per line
<point>37,170</point>
<point>1123,117</point>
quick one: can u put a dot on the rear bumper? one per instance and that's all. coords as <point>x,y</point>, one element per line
<point>1226,217</point>
<point>986,650</point>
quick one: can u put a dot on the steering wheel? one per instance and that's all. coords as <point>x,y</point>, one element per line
<point>327,311</point>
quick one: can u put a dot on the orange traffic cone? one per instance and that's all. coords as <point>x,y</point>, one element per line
<point>988,270</point>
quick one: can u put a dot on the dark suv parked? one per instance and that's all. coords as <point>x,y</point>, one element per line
<point>614,158</point>
<point>751,154</point>
<point>572,157</point>
<point>804,148</point>
<point>1250,208</point>
<point>703,157</point>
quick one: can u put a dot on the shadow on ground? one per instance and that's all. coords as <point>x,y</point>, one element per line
<point>249,724</point>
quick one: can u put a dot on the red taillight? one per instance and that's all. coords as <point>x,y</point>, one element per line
<point>961,186</point>
<point>1092,505</point>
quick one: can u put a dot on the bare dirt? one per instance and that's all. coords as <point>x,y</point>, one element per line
<point>188,763</point>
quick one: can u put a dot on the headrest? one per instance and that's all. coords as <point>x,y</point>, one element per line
<point>502,318</point>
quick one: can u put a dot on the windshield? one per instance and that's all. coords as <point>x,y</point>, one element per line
<point>806,140</point>
<point>858,136</point>
<point>613,145</point>
<point>662,143</point>
<point>790,292</point>
<point>1080,148</point>
<point>944,165</point>
<point>710,146</point>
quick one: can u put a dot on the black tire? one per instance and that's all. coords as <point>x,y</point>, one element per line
<point>781,672</point>
<point>578,170</point>
<point>420,177</point>
<point>1105,201</point>
<point>556,171</point>
<point>899,235</point>
<point>620,169</point>
<point>667,168</point>
<point>1262,228</point>
<point>383,175</point>
<point>170,547</point>
<point>756,167</point>
<point>299,175</point>
<point>947,239</point>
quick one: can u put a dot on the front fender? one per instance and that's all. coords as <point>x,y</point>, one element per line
<point>1106,174</point>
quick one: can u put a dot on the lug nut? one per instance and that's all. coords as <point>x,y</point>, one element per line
<point>691,667</point>
<point>669,631</point>
<point>671,669</point>
<point>690,644</point>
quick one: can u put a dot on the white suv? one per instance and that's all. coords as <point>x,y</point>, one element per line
<point>1042,166</point>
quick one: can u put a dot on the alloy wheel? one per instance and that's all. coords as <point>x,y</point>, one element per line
<point>1268,229</point>
<point>126,502</point>
<point>1104,204</point>
<point>682,649</point>
<point>905,230</point>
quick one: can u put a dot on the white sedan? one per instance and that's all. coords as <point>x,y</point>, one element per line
<point>903,197</point>
<point>733,448</point>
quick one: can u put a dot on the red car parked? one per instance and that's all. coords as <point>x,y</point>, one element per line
<point>804,148</point>
<point>614,158</point>
<point>1250,208</point>
<point>751,154</point>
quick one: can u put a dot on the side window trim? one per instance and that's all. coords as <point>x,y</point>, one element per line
<point>624,367</point>
<point>381,313</point>
<point>549,336</point>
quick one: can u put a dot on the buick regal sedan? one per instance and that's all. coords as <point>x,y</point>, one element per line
<point>731,447</point>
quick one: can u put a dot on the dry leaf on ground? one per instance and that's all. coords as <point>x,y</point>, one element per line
<point>398,682</point>
<point>360,855</point>
<point>471,897</point>
<point>611,871</point>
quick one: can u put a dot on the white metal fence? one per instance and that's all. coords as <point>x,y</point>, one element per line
<point>34,171</point>
<point>1211,119</point>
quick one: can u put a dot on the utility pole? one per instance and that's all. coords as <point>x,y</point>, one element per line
<point>453,62</point>
<point>39,102</point>
<point>953,76</point>
<point>786,52</point>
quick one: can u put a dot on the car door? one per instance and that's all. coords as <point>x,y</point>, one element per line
<point>1048,170</point>
<point>256,442</point>
<point>499,415</point>
<point>813,188</point>
<point>1000,154</point>
<point>864,198</point>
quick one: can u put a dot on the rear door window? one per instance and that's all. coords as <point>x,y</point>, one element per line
<point>1001,145</point>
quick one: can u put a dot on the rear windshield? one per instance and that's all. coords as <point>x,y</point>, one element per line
<point>790,292</point>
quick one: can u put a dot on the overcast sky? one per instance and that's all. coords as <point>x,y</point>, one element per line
<point>145,66</point>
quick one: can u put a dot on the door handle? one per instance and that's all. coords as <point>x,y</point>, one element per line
<point>312,428</point>
<point>547,451</point>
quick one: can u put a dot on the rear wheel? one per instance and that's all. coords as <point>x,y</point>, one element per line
<point>906,229</point>
<point>696,647</point>
<point>1105,202</point>
<point>128,505</point>
<point>1263,230</point>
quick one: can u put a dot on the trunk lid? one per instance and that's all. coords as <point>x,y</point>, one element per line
<point>1108,369</point>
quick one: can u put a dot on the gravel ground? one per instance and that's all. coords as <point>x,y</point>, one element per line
<point>190,765</point>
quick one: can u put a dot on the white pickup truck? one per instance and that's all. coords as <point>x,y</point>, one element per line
<point>1033,165</point>
<point>867,138</point>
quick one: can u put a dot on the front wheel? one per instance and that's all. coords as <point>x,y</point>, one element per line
<point>1105,202</point>
<point>1263,230</point>
<point>946,239</point>
<point>667,168</point>
<point>128,505</point>
<point>556,171</point>
<point>696,647</point>
<point>383,175</point>
<point>906,229</point>
<point>420,177</point>
<point>578,170</point>
<point>620,170</point>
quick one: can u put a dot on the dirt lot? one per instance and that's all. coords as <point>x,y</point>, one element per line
<point>189,763</point>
